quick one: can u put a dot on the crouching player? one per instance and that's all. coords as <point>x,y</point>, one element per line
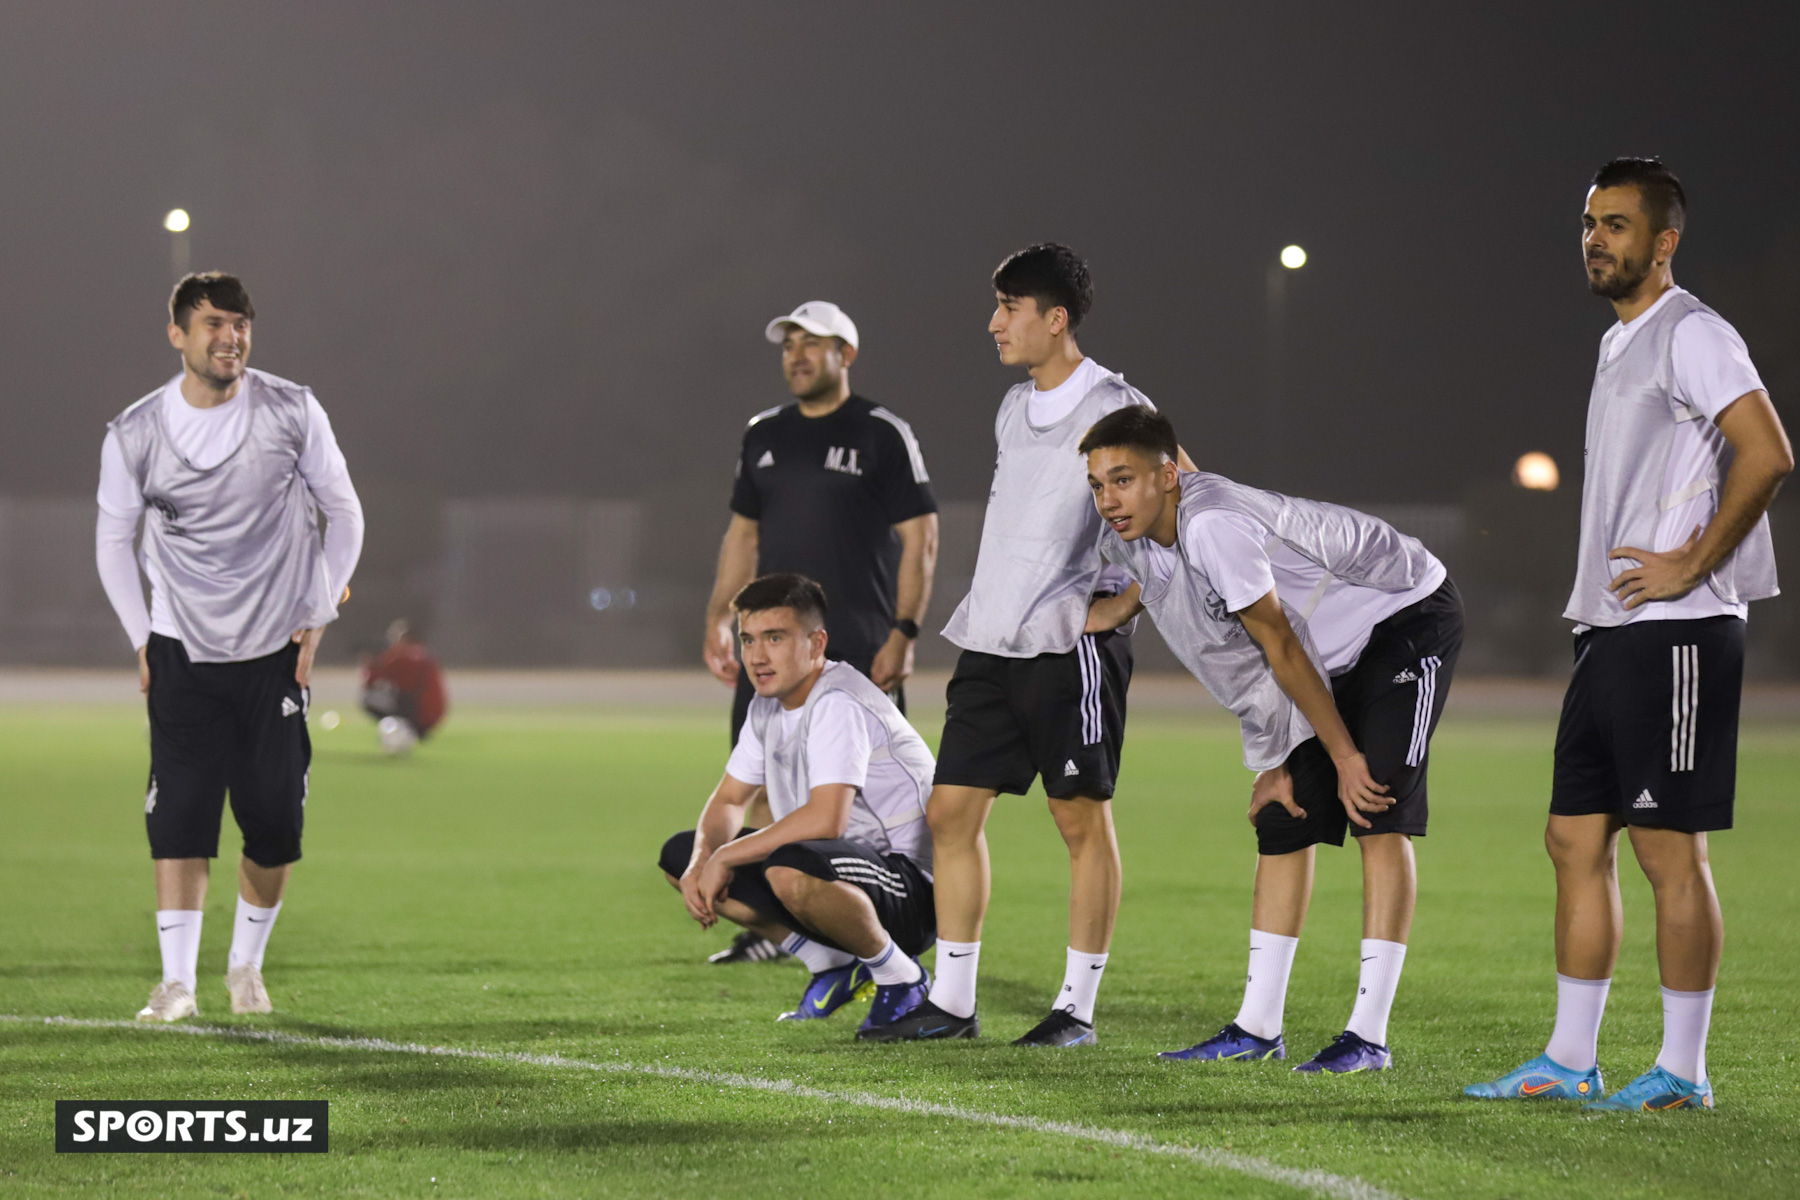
<point>841,879</point>
<point>1332,637</point>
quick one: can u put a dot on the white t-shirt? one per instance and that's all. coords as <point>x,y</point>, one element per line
<point>206,437</point>
<point>845,744</point>
<point>1231,550</point>
<point>1044,409</point>
<point>1711,368</point>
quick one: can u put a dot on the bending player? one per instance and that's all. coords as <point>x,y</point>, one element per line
<point>1684,454</point>
<point>234,466</point>
<point>841,879</point>
<point>1033,695</point>
<point>1353,632</point>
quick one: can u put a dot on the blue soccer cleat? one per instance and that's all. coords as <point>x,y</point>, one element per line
<point>829,991</point>
<point>1230,1044</point>
<point>1346,1056</point>
<point>1543,1078</point>
<point>895,1000</point>
<point>1657,1090</point>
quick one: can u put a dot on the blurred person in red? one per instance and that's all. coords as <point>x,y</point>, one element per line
<point>403,689</point>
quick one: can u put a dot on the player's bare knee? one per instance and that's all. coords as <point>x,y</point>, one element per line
<point>1082,823</point>
<point>790,885</point>
<point>1580,846</point>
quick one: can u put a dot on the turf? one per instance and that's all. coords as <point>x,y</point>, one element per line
<point>498,892</point>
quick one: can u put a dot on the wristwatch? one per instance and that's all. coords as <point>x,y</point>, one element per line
<point>909,628</point>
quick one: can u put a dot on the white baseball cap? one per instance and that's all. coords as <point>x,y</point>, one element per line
<point>821,318</point>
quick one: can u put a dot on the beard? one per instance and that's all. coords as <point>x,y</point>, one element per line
<point>823,384</point>
<point>1625,279</point>
<point>219,377</point>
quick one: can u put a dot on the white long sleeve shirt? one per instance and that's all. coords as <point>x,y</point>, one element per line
<point>206,437</point>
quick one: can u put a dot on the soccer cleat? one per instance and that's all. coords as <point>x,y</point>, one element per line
<point>895,1000</point>
<point>248,995</point>
<point>1543,1078</point>
<point>748,947</point>
<point>1232,1043</point>
<point>927,1022</point>
<point>1346,1056</point>
<point>1657,1090</point>
<point>170,1000</point>
<point>829,991</point>
<point>1060,1029</point>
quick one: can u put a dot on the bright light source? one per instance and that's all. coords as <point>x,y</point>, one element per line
<point>1537,472</point>
<point>1293,257</point>
<point>330,719</point>
<point>176,221</point>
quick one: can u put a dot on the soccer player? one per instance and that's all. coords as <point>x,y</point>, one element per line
<point>832,487</point>
<point>1033,695</point>
<point>1684,454</point>
<point>403,689</point>
<point>1333,638</point>
<point>841,879</point>
<point>234,467</point>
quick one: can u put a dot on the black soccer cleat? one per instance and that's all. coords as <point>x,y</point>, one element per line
<point>1060,1029</point>
<point>749,947</point>
<point>927,1022</point>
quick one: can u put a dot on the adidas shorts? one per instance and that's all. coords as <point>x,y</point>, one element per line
<point>900,891</point>
<point>236,728</point>
<point>1390,701</point>
<point>1058,717</point>
<point>1650,723</point>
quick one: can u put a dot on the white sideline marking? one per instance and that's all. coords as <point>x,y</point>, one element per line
<point>1321,1183</point>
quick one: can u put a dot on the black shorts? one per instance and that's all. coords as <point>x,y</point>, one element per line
<point>1059,717</point>
<point>740,703</point>
<point>1390,701</point>
<point>1650,724</point>
<point>894,884</point>
<point>237,727</point>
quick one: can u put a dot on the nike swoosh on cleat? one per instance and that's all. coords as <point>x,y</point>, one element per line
<point>1527,1089</point>
<point>822,1001</point>
<point>933,1032</point>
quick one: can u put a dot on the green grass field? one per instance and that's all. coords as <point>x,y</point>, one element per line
<point>498,893</point>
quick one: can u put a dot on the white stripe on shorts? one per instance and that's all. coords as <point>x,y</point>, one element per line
<point>1090,689</point>
<point>1684,704</point>
<point>1422,705</point>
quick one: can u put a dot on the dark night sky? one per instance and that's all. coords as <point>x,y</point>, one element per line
<point>529,248</point>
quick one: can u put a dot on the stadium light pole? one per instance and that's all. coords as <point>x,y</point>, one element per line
<point>1276,433</point>
<point>177,221</point>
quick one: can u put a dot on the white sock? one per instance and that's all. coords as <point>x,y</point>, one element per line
<point>954,988</point>
<point>816,957</point>
<point>250,933</point>
<point>1380,979</point>
<point>178,933</point>
<point>1580,1003</point>
<point>1686,1018</point>
<point>1265,984</point>
<point>891,966</point>
<point>1081,983</point>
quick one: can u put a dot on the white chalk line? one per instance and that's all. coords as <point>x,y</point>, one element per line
<point>1321,1183</point>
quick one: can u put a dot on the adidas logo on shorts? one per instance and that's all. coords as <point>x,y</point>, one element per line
<point>1644,800</point>
<point>767,460</point>
<point>288,707</point>
<point>1407,676</point>
<point>1070,769</point>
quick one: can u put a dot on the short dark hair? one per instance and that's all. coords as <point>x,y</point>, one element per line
<point>224,292</point>
<point>1051,274</point>
<point>1134,427</point>
<point>1664,199</point>
<point>784,589</point>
